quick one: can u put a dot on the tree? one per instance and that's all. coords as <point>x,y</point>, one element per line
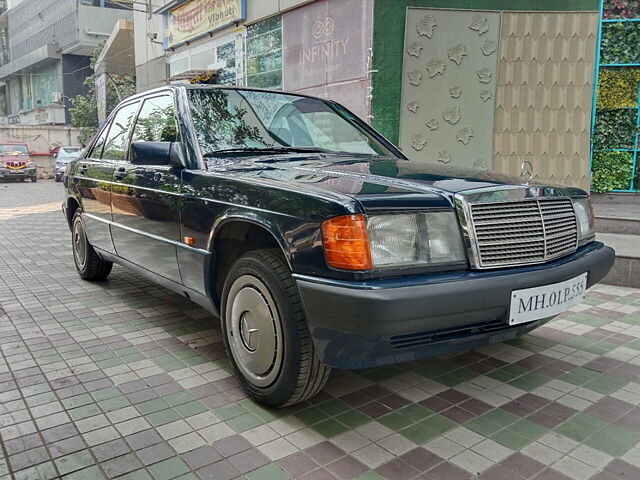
<point>84,109</point>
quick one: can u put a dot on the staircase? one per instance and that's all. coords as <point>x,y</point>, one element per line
<point>618,225</point>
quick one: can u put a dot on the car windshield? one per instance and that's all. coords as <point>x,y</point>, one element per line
<point>13,148</point>
<point>68,151</point>
<point>235,120</point>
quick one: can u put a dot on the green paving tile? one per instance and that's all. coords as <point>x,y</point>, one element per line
<point>106,393</point>
<point>244,422</point>
<point>527,429</point>
<point>75,461</point>
<point>137,475</point>
<point>530,381</point>
<point>190,409</point>
<point>415,412</point>
<point>511,439</point>
<point>229,411</point>
<point>77,401</point>
<point>427,429</point>
<point>311,416</point>
<point>91,473</point>
<point>395,421</point>
<point>483,426</point>
<point>269,414</point>
<point>250,404</point>
<point>162,417</point>
<point>41,399</point>
<point>114,403</point>
<point>613,440</point>
<point>605,384</point>
<point>456,377</point>
<point>179,398</point>
<point>170,468</point>
<point>44,471</point>
<point>84,412</point>
<point>268,472</point>
<point>111,362</point>
<point>334,407</point>
<point>370,476</point>
<point>151,406</point>
<point>501,417</point>
<point>579,376</point>
<point>329,428</point>
<point>501,376</point>
<point>353,419</point>
<point>580,427</point>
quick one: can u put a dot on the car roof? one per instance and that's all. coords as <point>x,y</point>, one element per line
<point>183,86</point>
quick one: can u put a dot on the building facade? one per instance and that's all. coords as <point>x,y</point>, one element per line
<point>501,85</point>
<point>45,48</point>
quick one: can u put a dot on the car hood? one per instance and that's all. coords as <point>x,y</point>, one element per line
<point>376,183</point>
<point>12,157</point>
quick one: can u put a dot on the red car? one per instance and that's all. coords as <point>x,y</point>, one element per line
<point>15,161</point>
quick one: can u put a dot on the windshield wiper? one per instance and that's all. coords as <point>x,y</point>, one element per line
<point>267,150</point>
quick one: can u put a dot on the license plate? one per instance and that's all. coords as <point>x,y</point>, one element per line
<point>535,303</point>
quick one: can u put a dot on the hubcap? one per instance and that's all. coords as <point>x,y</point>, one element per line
<point>79,245</point>
<point>254,331</point>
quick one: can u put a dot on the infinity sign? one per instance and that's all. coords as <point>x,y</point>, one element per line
<point>323,27</point>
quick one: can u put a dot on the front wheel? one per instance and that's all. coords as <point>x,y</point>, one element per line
<point>34,179</point>
<point>89,264</point>
<point>266,333</point>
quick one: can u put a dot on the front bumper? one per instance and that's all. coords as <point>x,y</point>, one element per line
<point>365,324</point>
<point>22,173</point>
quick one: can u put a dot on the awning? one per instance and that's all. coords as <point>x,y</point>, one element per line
<point>117,56</point>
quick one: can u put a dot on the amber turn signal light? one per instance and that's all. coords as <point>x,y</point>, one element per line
<point>346,242</point>
<point>190,241</point>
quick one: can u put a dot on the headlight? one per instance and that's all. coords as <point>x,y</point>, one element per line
<point>356,242</point>
<point>415,239</point>
<point>584,219</point>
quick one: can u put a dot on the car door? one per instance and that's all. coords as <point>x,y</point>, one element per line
<point>94,175</point>
<point>146,198</point>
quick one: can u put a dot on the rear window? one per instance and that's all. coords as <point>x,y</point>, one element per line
<point>13,148</point>
<point>70,149</point>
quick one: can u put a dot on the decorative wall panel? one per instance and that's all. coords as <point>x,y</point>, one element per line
<point>448,86</point>
<point>544,95</point>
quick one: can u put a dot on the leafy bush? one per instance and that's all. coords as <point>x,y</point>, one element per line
<point>611,171</point>
<point>618,88</point>
<point>620,42</point>
<point>621,9</point>
<point>615,128</point>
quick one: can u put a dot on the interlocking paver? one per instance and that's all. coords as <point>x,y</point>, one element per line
<point>124,378</point>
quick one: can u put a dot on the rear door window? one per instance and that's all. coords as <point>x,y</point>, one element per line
<point>115,146</point>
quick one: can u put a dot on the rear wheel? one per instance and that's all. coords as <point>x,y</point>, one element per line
<point>89,264</point>
<point>266,333</point>
<point>34,179</point>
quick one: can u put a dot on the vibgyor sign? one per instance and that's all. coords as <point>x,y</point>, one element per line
<point>197,17</point>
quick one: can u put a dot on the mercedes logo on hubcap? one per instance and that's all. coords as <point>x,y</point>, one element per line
<point>249,335</point>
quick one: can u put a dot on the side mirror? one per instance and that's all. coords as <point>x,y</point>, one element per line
<point>158,153</point>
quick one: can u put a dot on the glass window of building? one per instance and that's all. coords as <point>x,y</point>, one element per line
<point>264,54</point>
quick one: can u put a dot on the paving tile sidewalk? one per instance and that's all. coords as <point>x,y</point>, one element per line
<point>124,380</point>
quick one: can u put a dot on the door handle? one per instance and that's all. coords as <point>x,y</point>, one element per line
<point>120,173</point>
<point>83,169</point>
<point>158,176</point>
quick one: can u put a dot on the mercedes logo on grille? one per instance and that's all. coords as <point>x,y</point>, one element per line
<point>526,171</point>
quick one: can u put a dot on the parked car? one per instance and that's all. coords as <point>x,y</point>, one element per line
<point>317,242</point>
<point>16,162</point>
<point>64,156</point>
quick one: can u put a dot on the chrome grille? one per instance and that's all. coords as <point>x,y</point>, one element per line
<point>521,232</point>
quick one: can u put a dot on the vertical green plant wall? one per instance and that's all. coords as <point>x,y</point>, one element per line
<point>615,159</point>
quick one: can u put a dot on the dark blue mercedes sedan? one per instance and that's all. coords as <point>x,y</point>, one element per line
<point>316,242</point>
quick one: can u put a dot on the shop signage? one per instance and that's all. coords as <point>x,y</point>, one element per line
<point>198,17</point>
<point>326,42</point>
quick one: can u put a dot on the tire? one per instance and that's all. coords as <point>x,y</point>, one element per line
<point>89,264</point>
<point>34,179</point>
<point>58,178</point>
<point>265,332</point>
